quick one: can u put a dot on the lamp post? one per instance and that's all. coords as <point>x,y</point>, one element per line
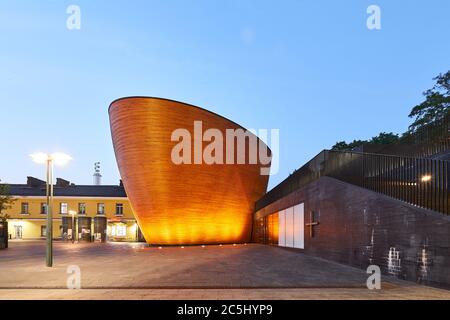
<point>73,213</point>
<point>50,159</point>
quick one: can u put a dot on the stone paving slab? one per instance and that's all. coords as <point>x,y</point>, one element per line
<point>126,265</point>
<point>414,292</point>
<point>135,271</point>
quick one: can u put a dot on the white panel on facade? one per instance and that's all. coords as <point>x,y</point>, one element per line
<point>299,226</point>
<point>289,227</point>
<point>281,229</point>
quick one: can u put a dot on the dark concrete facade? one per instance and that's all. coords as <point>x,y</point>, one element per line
<point>360,227</point>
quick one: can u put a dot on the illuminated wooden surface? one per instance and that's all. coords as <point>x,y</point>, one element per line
<point>180,204</point>
<point>273,228</point>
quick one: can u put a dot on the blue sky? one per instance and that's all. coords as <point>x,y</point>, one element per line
<point>310,68</point>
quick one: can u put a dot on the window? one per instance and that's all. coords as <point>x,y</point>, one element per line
<point>291,226</point>
<point>100,208</point>
<point>43,231</point>
<point>82,208</point>
<point>24,207</point>
<point>63,208</point>
<point>119,209</point>
<point>43,208</point>
<point>118,231</point>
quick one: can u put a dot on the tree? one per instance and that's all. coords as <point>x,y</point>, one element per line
<point>344,146</point>
<point>6,201</point>
<point>385,138</point>
<point>436,105</point>
<point>381,138</point>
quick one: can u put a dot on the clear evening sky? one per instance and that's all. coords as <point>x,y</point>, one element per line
<point>310,68</point>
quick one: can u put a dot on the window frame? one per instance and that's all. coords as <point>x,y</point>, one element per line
<point>43,208</point>
<point>24,205</point>
<point>102,204</point>
<point>119,205</point>
<point>115,231</point>
<point>61,206</point>
<point>82,205</point>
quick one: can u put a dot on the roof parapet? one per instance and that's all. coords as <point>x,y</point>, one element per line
<point>34,182</point>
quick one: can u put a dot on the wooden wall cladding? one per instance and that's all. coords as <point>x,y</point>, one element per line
<point>186,203</point>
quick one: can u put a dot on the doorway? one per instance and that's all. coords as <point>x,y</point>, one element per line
<point>18,232</point>
<point>291,231</point>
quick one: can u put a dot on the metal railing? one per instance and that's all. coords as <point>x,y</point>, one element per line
<point>430,139</point>
<point>419,181</point>
<point>437,132</point>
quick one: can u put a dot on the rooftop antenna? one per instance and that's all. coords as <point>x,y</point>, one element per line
<point>97,175</point>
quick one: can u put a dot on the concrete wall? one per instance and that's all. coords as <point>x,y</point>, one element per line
<point>361,227</point>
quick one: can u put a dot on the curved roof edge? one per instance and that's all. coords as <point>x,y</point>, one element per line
<point>186,104</point>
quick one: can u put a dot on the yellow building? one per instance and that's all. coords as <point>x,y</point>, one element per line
<point>100,212</point>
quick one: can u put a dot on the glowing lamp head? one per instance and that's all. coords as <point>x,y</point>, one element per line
<point>58,158</point>
<point>426,178</point>
<point>72,212</point>
<point>39,157</point>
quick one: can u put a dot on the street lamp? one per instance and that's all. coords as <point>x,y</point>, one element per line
<point>60,159</point>
<point>73,213</point>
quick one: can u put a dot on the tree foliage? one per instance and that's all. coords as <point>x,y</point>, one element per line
<point>435,107</point>
<point>6,201</point>
<point>436,104</point>
<point>385,138</point>
<point>382,138</point>
<point>344,146</point>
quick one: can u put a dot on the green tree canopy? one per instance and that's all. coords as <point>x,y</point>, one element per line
<point>344,146</point>
<point>435,107</point>
<point>385,138</point>
<point>436,104</point>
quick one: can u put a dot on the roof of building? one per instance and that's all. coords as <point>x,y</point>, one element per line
<point>63,188</point>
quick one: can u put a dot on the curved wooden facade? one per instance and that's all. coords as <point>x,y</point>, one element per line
<point>185,203</point>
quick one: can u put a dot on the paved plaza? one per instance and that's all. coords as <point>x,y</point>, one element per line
<point>136,271</point>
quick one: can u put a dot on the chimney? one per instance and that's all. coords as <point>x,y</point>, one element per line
<point>97,176</point>
<point>34,182</point>
<point>60,182</point>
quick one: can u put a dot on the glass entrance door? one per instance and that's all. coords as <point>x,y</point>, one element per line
<point>18,232</point>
